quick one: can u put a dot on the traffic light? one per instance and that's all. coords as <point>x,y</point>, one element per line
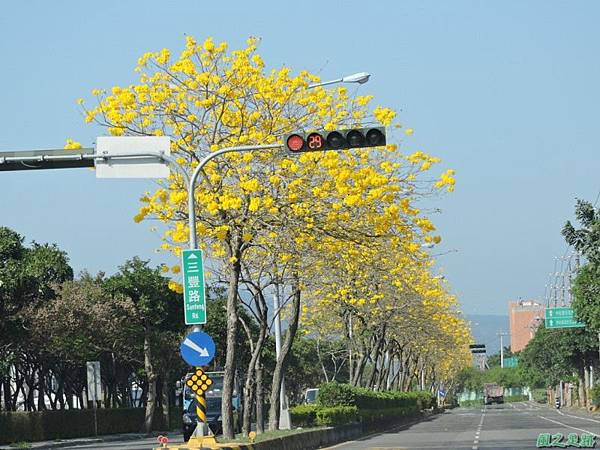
<point>316,141</point>
<point>477,348</point>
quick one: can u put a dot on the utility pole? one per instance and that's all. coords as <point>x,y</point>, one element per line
<point>502,348</point>
<point>284,412</point>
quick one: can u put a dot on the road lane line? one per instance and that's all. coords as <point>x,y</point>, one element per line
<point>577,417</point>
<point>478,431</point>
<point>568,426</point>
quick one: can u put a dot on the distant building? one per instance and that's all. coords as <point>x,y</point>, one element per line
<point>525,316</point>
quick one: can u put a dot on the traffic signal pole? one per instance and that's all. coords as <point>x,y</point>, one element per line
<point>194,178</point>
<point>202,428</point>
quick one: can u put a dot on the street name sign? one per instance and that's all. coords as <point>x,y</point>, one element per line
<point>94,383</point>
<point>562,318</point>
<point>197,349</point>
<point>194,300</point>
<point>132,156</point>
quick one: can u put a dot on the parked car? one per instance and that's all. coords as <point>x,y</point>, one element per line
<point>310,396</point>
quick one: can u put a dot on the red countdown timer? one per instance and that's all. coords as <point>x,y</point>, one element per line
<point>315,141</point>
<point>295,143</point>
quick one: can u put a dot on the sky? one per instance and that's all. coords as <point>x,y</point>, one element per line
<point>506,93</point>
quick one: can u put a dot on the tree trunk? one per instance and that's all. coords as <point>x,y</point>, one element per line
<point>586,383</point>
<point>41,389</point>
<point>376,357</point>
<point>151,376</point>
<point>249,384</point>
<point>248,399</point>
<point>230,359</point>
<point>281,364</point>
<point>260,419</point>
<point>320,357</point>
<point>359,367</point>
<point>7,394</point>
<point>165,401</point>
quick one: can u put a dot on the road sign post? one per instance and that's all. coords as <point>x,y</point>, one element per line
<point>198,349</point>
<point>94,388</point>
<point>562,318</point>
<point>193,287</point>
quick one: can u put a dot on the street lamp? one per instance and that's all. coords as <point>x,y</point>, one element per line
<point>360,78</point>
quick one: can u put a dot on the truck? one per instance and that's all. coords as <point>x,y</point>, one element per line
<point>492,393</point>
<point>214,400</point>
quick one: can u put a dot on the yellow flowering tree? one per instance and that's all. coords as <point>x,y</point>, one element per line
<point>268,202</point>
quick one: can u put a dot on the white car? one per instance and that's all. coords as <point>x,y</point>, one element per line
<point>310,396</point>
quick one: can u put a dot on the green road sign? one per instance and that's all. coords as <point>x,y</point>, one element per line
<point>562,318</point>
<point>513,361</point>
<point>193,287</point>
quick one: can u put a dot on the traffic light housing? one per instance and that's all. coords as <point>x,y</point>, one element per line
<point>477,348</point>
<point>316,141</point>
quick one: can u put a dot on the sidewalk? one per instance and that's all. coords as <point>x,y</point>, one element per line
<point>59,443</point>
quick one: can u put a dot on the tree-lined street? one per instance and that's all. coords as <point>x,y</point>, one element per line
<point>302,258</point>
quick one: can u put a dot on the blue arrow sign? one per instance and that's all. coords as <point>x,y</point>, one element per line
<point>197,349</point>
<point>442,393</point>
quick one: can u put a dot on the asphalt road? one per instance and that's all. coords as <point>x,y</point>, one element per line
<point>509,426</point>
<point>514,426</point>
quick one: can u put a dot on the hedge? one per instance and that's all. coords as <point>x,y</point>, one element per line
<point>336,394</point>
<point>73,423</point>
<point>337,415</point>
<point>382,416</point>
<point>516,398</point>
<point>339,404</point>
<point>304,415</point>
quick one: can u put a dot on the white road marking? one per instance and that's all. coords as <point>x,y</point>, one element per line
<point>476,440</point>
<point>568,426</point>
<point>577,417</point>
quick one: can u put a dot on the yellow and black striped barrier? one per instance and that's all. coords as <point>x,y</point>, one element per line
<point>201,407</point>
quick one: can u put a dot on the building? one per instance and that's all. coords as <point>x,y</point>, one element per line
<point>524,316</point>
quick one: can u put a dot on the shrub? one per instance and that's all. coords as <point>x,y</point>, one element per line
<point>45,425</point>
<point>304,415</point>
<point>516,398</point>
<point>337,415</point>
<point>335,394</point>
<point>73,423</point>
<point>595,393</point>
<point>540,395</point>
